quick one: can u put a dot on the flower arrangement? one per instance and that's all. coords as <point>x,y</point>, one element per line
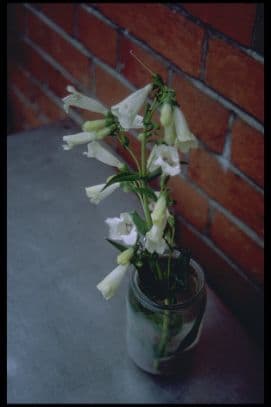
<point>142,241</point>
<point>166,298</point>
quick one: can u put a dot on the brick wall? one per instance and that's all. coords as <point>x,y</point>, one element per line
<point>212,55</point>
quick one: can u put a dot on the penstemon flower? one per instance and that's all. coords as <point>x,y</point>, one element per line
<point>127,110</point>
<point>166,157</point>
<point>184,138</point>
<point>77,139</point>
<point>96,193</point>
<point>154,237</point>
<point>77,99</point>
<point>95,150</point>
<point>110,284</point>
<point>123,229</point>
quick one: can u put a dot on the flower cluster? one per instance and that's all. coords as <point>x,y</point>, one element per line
<point>139,239</point>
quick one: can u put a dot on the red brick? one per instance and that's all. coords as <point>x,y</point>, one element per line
<point>228,188</point>
<point>61,13</point>
<point>132,70</point>
<point>108,89</point>
<point>134,145</point>
<point>97,36</point>
<point>248,151</point>
<point>233,19</point>
<point>235,290</point>
<point>241,248</point>
<point>237,76</point>
<point>189,203</point>
<point>207,118</point>
<point>36,96</point>
<point>19,16</point>
<point>166,31</point>
<point>23,117</point>
<point>64,52</point>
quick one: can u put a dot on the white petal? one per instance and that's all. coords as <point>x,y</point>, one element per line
<point>95,193</point>
<point>167,158</point>
<point>84,102</point>
<point>95,150</point>
<point>76,139</point>
<point>127,110</point>
<point>155,246</point>
<point>182,130</point>
<point>122,228</point>
<point>137,123</point>
<point>109,285</point>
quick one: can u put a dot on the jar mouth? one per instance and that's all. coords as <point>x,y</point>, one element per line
<point>183,304</point>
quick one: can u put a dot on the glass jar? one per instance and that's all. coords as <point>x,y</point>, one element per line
<point>159,334</point>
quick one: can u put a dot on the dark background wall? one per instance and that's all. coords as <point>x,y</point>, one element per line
<point>212,54</point>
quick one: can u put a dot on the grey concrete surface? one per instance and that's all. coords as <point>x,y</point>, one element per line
<point>65,343</point>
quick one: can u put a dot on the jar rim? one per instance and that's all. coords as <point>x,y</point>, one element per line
<point>154,305</point>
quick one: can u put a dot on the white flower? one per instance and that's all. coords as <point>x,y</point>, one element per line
<point>109,285</point>
<point>122,228</point>
<point>95,193</point>
<point>127,110</point>
<point>95,150</point>
<point>166,114</point>
<point>84,102</point>
<point>184,138</point>
<point>166,157</point>
<point>154,237</point>
<point>76,139</point>
<point>158,246</point>
<point>170,134</point>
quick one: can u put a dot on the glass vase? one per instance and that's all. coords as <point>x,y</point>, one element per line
<point>158,335</point>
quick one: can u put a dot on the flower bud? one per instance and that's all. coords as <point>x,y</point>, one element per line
<point>166,114</point>
<point>141,136</point>
<point>94,125</point>
<point>125,257</point>
<point>159,209</point>
<point>103,132</point>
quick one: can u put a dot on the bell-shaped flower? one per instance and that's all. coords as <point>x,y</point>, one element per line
<point>123,229</point>
<point>170,134</point>
<point>154,241</point>
<point>96,193</point>
<point>77,99</point>
<point>76,139</point>
<point>184,138</point>
<point>166,114</point>
<point>127,110</point>
<point>110,284</point>
<point>95,150</point>
<point>157,246</point>
<point>166,157</point>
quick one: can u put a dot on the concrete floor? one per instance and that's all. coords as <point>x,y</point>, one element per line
<point>66,344</point>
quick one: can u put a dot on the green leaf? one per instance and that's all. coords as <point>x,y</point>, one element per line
<point>118,246</point>
<point>145,190</point>
<point>123,176</point>
<point>139,222</point>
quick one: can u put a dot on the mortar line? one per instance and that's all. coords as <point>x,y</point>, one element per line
<point>250,119</point>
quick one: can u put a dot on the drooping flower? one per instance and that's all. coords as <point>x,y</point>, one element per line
<point>96,193</point>
<point>166,157</point>
<point>110,284</point>
<point>73,140</point>
<point>166,114</point>
<point>122,228</point>
<point>95,150</point>
<point>184,138</point>
<point>154,237</point>
<point>77,99</point>
<point>127,110</point>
